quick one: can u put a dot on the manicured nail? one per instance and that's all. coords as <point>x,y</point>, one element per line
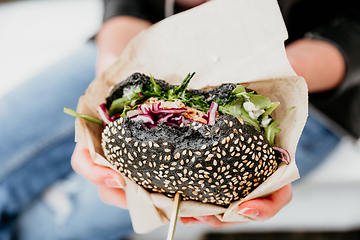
<point>249,212</point>
<point>113,182</point>
<point>188,221</point>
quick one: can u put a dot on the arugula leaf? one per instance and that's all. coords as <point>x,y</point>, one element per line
<point>239,89</point>
<point>118,105</point>
<point>260,101</point>
<point>84,116</point>
<point>271,130</point>
<point>156,89</point>
<point>180,91</point>
<point>190,100</point>
<point>268,111</point>
<point>236,109</point>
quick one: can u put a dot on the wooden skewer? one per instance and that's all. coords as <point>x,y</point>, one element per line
<point>174,217</point>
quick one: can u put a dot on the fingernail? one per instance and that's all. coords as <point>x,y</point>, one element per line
<point>188,221</point>
<point>249,212</point>
<point>113,182</point>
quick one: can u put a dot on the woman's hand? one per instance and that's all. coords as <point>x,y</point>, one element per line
<point>259,209</point>
<point>320,63</point>
<point>109,181</point>
<point>111,184</point>
<point>114,36</point>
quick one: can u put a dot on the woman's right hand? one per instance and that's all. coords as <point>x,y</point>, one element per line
<point>114,36</point>
<point>109,181</point>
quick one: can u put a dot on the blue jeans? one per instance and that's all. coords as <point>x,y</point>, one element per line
<point>316,143</point>
<point>36,143</point>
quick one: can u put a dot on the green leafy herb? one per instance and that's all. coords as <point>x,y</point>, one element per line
<point>84,116</point>
<point>258,109</point>
<point>235,106</point>
<point>180,91</point>
<point>268,111</point>
<point>272,128</point>
<point>191,100</point>
<point>156,89</point>
<point>118,105</point>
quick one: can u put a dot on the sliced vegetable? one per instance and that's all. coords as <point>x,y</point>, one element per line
<point>84,116</point>
<point>285,155</point>
<point>103,114</point>
<point>212,113</point>
<point>146,118</point>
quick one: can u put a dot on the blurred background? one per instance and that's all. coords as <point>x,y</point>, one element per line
<point>35,34</point>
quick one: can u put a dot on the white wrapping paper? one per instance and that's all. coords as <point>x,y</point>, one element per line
<point>237,41</point>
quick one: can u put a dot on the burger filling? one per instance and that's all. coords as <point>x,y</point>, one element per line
<point>149,103</point>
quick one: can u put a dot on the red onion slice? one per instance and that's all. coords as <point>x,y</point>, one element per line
<point>144,109</point>
<point>212,113</point>
<point>165,118</point>
<point>285,155</point>
<point>146,118</point>
<point>113,118</point>
<point>171,110</point>
<point>103,114</point>
<point>134,112</point>
<point>156,106</point>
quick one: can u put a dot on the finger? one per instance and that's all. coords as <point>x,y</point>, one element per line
<point>113,196</point>
<point>189,220</point>
<point>82,163</point>
<point>214,222</point>
<point>264,208</point>
<point>105,60</point>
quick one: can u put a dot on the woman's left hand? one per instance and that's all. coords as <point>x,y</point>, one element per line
<point>259,209</point>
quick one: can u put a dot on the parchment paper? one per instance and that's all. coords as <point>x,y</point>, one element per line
<point>237,41</point>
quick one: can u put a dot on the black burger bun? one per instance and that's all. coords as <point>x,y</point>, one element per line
<point>218,163</point>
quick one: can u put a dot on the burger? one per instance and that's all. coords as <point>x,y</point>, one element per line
<point>214,145</point>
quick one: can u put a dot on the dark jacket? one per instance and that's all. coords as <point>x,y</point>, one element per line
<point>337,22</point>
